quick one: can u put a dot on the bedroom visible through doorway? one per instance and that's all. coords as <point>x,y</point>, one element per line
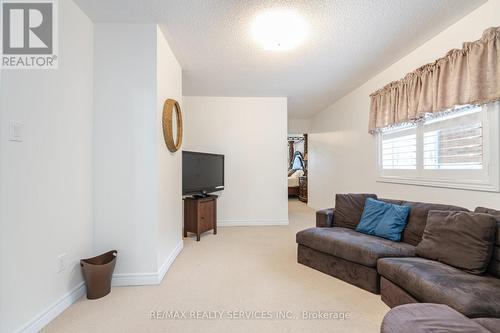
<point>297,167</point>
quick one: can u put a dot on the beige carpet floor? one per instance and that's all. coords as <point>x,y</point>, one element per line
<point>248,269</point>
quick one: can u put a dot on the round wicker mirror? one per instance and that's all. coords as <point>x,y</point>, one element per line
<point>172,117</point>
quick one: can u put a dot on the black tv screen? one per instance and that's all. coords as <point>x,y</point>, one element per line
<point>202,173</point>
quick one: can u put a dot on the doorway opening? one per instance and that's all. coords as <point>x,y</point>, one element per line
<point>297,167</point>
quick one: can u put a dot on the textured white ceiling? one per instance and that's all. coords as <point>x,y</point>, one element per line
<point>349,41</point>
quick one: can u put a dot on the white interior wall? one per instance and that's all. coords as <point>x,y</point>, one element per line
<point>299,126</point>
<point>46,180</point>
<point>342,155</point>
<point>252,134</point>
<point>137,187</point>
<point>125,144</point>
<point>169,166</point>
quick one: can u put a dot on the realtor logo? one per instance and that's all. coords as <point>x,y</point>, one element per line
<point>29,34</point>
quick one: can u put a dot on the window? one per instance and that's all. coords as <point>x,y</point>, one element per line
<point>459,150</point>
<point>399,149</point>
<point>454,142</point>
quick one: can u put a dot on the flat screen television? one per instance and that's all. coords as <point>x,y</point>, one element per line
<point>202,173</point>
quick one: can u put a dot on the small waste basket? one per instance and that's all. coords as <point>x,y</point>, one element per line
<point>97,273</point>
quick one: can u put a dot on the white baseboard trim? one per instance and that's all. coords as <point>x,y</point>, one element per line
<point>250,223</point>
<point>141,279</point>
<point>49,314</point>
<point>169,261</point>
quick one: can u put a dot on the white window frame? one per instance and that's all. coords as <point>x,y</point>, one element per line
<point>486,179</point>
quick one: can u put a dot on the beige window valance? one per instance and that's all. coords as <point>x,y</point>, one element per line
<point>467,76</point>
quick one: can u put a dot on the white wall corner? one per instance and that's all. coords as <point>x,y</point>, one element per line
<point>153,278</point>
<point>169,261</point>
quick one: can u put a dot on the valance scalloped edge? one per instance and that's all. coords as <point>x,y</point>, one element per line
<point>470,75</point>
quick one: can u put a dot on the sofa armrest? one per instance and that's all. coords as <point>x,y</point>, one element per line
<point>324,218</point>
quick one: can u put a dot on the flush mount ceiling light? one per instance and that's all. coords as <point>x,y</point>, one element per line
<point>279,29</point>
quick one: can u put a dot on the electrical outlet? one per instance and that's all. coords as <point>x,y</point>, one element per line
<point>61,262</point>
<point>16,131</point>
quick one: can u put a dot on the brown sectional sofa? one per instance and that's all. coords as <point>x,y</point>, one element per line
<point>424,318</point>
<point>347,254</point>
<point>392,268</point>
<point>352,256</point>
<point>428,281</point>
<point>411,280</point>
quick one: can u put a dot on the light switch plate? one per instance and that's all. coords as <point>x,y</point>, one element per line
<point>61,262</point>
<point>16,131</point>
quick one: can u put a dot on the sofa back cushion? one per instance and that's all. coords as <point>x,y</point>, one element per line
<point>494,267</point>
<point>460,239</point>
<point>349,208</point>
<point>392,201</point>
<point>418,219</point>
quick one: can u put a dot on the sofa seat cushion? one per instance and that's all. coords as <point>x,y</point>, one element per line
<point>434,282</point>
<point>493,324</point>
<point>353,246</point>
<point>424,318</point>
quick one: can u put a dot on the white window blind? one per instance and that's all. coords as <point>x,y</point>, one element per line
<point>399,150</point>
<point>454,142</point>
<point>460,150</point>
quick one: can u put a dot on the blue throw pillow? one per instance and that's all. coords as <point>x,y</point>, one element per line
<point>383,219</point>
<point>373,212</point>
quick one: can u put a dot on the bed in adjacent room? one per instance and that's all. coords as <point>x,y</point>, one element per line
<point>293,182</point>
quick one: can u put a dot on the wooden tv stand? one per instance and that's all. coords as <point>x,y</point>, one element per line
<point>200,215</point>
